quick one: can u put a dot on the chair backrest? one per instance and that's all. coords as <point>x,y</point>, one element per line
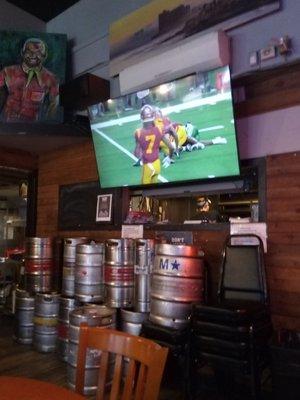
<point>145,364</point>
<point>243,270</point>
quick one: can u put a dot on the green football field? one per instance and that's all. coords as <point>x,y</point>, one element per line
<point>114,146</point>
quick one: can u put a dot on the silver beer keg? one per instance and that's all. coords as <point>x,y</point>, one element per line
<point>23,324</point>
<point>57,263</point>
<point>177,282</point>
<point>38,264</point>
<point>92,315</point>
<point>119,272</point>
<point>46,311</point>
<point>131,321</point>
<point>89,285</point>
<point>144,257</point>
<point>66,305</point>
<point>39,248</point>
<point>69,258</point>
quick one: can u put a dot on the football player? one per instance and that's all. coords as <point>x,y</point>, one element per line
<point>147,142</point>
<point>193,132</point>
<point>166,127</point>
<point>176,133</point>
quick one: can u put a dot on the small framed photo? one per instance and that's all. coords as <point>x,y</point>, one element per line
<point>104,205</point>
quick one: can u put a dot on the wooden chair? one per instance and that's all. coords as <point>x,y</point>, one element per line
<point>144,369</point>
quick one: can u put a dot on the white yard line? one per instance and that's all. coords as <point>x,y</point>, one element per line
<point>121,148</point>
<point>211,128</point>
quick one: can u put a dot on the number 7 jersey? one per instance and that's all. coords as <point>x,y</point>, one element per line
<point>148,140</point>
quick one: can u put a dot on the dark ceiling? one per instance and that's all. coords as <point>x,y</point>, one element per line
<point>44,9</point>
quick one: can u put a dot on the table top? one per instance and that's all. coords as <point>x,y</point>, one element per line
<point>16,388</point>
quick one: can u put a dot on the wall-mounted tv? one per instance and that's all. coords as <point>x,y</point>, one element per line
<point>179,131</point>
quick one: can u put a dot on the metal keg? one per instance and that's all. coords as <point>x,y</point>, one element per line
<point>119,272</point>
<point>57,263</point>
<point>177,282</point>
<point>131,321</point>
<point>69,258</point>
<point>92,315</point>
<point>89,285</point>
<point>38,264</point>
<point>38,283</point>
<point>144,257</point>
<point>66,305</point>
<point>23,324</point>
<point>46,311</point>
<point>39,248</point>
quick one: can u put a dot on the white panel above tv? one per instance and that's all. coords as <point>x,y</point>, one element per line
<point>199,53</point>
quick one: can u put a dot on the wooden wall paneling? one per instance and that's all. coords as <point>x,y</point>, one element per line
<point>268,102</point>
<point>13,158</point>
<point>283,258</point>
<point>269,90</point>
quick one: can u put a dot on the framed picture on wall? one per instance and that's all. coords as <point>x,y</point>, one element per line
<point>103,210</point>
<point>32,68</point>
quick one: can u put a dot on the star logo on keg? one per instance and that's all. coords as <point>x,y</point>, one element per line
<point>175,265</point>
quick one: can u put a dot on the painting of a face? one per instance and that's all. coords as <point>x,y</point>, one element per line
<point>34,54</point>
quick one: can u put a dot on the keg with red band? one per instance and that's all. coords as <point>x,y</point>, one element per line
<point>118,274</point>
<point>38,266</point>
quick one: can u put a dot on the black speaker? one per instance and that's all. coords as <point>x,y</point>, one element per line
<point>84,91</point>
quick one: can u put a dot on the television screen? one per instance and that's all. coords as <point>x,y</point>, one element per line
<point>176,132</point>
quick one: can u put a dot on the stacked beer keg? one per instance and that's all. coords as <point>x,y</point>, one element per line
<point>23,324</point>
<point>89,285</point>
<point>66,305</point>
<point>131,320</point>
<point>119,272</point>
<point>67,301</point>
<point>57,263</point>
<point>177,283</point>
<point>143,284</point>
<point>45,331</point>
<point>69,261</point>
<point>92,315</point>
<point>38,264</point>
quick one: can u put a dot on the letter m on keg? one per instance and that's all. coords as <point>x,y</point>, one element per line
<point>164,263</point>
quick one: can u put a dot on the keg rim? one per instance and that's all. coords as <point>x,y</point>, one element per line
<point>177,250</point>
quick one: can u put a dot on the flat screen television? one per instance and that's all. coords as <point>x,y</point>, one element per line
<point>198,108</point>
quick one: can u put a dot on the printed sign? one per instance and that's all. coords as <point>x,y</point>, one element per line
<point>174,237</point>
<point>132,231</point>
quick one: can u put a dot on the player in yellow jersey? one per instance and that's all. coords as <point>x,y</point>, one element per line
<point>187,135</point>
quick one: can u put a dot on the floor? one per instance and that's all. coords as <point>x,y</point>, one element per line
<point>22,360</point>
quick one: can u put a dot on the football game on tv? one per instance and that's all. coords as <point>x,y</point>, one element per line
<point>176,132</point>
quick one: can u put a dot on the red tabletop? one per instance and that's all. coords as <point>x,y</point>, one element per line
<point>15,388</point>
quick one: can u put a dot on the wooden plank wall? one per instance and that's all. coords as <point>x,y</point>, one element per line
<point>77,164</point>
<point>268,90</point>
<point>14,158</point>
<point>283,258</point>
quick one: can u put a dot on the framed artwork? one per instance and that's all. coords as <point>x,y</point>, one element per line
<point>32,68</point>
<point>103,210</point>
<point>162,23</point>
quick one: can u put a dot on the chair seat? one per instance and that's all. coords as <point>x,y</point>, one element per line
<point>226,363</point>
<point>261,333</point>
<point>237,350</point>
<point>232,313</point>
<point>168,336</point>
